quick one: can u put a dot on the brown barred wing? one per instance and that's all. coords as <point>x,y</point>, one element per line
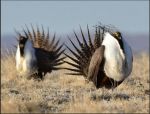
<point>94,67</point>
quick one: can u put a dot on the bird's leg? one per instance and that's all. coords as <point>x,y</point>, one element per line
<point>104,79</point>
<point>31,76</point>
<point>40,75</point>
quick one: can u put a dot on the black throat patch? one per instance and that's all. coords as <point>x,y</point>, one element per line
<point>121,44</point>
<point>22,42</point>
<point>118,37</point>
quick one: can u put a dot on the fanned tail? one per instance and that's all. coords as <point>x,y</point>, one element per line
<point>82,54</point>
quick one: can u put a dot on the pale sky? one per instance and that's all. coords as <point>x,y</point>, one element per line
<point>64,16</point>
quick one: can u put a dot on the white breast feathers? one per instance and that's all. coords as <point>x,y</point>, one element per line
<point>117,64</point>
<point>27,63</point>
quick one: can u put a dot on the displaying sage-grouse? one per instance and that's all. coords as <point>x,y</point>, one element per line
<point>107,61</point>
<point>36,54</point>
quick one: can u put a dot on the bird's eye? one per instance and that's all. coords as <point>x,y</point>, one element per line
<point>21,38</point>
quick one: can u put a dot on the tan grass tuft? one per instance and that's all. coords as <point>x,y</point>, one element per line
<point>62,93</point>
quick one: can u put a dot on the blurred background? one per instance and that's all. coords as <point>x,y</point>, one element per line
<point>62,17</point>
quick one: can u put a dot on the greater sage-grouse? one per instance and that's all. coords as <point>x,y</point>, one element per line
<point>37,54</point>
<point>107,61</point>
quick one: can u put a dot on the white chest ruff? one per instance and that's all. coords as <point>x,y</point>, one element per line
<point>117,65</point>
<point>21,66</point>
<point>114,67</point>
<point>26,64</point>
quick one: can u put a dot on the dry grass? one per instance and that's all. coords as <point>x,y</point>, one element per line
<point>61,93</point>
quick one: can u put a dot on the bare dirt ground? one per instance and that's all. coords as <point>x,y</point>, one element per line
<point>62,93</point>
